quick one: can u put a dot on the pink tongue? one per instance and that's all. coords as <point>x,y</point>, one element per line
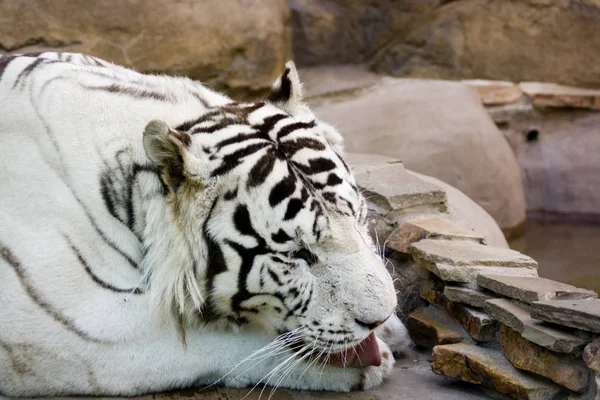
<point>364,354</point>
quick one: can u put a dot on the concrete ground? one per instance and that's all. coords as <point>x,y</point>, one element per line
<point>411,381</point>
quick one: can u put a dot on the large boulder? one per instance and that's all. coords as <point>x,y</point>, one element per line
<point>547,40</point>
<point>230,44</point>
<point>437,128</point>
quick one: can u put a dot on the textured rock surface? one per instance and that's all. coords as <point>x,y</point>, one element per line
<point>530,289</point>
<point>581,314</point>
<point>469,214</point>
<point>429,228</point>
<point>459,207</point>
<point>338,80</point>
<point>556,151</point>
<point>552,337</point>
<point>430,125</point>
<point>553,95</point>
<point>495,92</point>
<point>480,326</point>
<point>591,355</point>
<point>469,273</point>
<point>467,296</point>
<point>467,253</point>
<point>244,55</point>
<point>506,40</point>
<point>430,327</point>
<point>571,373</point>
<point>490,368</point>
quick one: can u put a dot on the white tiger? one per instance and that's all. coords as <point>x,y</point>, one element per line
<point>156,235</point>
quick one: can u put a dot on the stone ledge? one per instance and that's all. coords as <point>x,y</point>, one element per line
<point>464,253</point>
<point>580,314</point>
<point>473,298</point>
<point>429,327</point>
<point>568,372</point>
<point>495,92</point>
<point>490,368</point>
<point>551,337</point>
<point>415,230</point>
<point>530,289</point>
<point>553,95</point>
<point>469,273</point>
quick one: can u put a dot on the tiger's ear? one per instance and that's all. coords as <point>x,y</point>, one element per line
<point>286,92</point>
<point>166,148</point>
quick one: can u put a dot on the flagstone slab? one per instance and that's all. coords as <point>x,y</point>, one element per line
<point>530,289</point>
<point>569,372</point>
<point>487,367</point>
<point>580,314</point>
<point>428,228</point>
<point>469,273</point>
<point>495,92</point>
<point>554,95</point>
<point>469,253</point>
<point>552,337</point>
<point>474,298</point>
<point>429,327</point>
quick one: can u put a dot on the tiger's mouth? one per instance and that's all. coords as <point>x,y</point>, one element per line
<point>364,354</point>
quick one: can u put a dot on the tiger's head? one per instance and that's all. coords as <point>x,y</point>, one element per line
<point>274,222</point>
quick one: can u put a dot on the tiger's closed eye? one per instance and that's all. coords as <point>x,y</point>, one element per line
<point>306,255</point>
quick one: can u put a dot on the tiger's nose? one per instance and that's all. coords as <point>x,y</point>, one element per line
<point>369,325</point>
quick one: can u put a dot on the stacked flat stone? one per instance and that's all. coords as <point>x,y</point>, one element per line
<point>493,295</point>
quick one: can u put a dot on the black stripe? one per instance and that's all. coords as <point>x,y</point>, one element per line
<point>293,208</point>
<point>95,277</point>
<point>215,265</point>
<point>11,260</point>
<point>293,146</point>
<point>27,71</point>
<point>286,130</point>
<point>316,166</point>
<point>281,237</point>
<point>4,61</point>
<point>261,170</point>
<point>230,161</point>
<point>137,93</point>
<point>283,189</point>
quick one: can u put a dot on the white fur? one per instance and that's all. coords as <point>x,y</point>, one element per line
<point>64,334</point>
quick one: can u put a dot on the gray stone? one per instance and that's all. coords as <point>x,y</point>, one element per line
<point>569,372</point>
<point>391,187</point>
<point>467,296</point>
<point>428,228</point>
<point>467,253</point>
<point>530,289</point>
<point>581,314</point>
<point>469,273</point>
<point>591,355</point>
<point>430,327</point>
<point>508,112</point>
<point>490,368</point>
<point>517,317</point>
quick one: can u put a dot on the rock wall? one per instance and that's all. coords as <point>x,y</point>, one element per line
<point>543,40</point>
<point>239,46</point>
